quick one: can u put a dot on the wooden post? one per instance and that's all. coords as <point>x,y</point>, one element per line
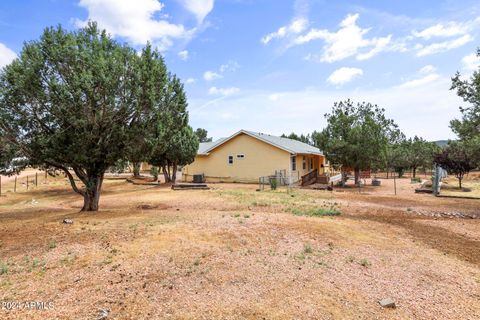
<point>15,185</point>
<point>0,185</point>
<point>395,184</point>
<point>27,182</point>
<point>36,179</point>
<point>45,176</point>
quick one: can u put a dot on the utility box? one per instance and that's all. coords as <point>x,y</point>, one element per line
<point>198,178</point>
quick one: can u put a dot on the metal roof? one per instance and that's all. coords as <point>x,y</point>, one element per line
<point>289,145</point>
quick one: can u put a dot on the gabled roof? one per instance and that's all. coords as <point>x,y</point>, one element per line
<point>289,145</point>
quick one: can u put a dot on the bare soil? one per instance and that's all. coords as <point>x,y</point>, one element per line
<point>234,253</point>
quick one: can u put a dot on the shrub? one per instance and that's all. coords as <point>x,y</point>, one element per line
<point>318,212</point>
<point>3,268</point>
<point>154,173</point>
<point>365,263</point>
<point>273,183</point>
<point>307,248</point>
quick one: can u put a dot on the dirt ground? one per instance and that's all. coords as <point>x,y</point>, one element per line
<point>234,253</point>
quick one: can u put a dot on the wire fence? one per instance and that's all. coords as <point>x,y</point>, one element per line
<point>20,183</point>
<point>407,174</point>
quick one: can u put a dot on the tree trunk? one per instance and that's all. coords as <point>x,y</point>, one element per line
<point>174,172</point>
<point>460,182</point>
<point>165,173</point>
<point>91,196</point>
<point>136,169</point>
<point>357,176</point>
<point>169,173</point>
<point>414,171</point>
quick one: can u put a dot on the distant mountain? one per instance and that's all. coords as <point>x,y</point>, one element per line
<point>441,143</point>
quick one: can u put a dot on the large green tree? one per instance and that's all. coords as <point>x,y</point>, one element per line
<point>173,130</point>
<point>456,159</point>
<point>419,153</point>
<point>467,128</point>
<point>356,135</point>
<point>180,150</point>
<point>152,94</point>
<point>77,101</point>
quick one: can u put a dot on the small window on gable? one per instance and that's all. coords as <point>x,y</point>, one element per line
<point>240,156</point>
<point>230,159</point>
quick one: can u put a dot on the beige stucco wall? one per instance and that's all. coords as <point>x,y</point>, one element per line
<point>261,159</point>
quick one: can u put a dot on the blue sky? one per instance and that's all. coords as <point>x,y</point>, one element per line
<point>278,66</point>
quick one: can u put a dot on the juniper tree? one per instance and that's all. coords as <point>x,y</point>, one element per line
<point>174,120</point>
<point>468,127</point>
<point>75,101</point>
<point>456,159</point>
<point>356,135</point>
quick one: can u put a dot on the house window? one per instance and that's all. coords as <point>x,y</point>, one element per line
<point>230,159</point>
<point>293,160</point>
<point>311,163</point>
<point>240,156</point>
<point>304,163</point>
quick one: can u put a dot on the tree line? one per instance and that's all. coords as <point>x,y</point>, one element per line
<point>360,136</point>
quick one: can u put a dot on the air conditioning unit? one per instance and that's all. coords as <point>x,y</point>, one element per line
<point>198,178</point>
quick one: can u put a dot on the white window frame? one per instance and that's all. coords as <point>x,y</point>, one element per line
<point>230,157</point>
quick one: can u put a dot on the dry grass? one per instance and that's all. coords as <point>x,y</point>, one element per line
<point>470,187</point>
<point>234,253</point>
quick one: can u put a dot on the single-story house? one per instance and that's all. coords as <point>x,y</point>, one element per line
<point>246,156</point>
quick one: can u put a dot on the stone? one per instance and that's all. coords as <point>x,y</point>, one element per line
<point>67,221</point>
<point>387,303</point>
<point>103,314</point>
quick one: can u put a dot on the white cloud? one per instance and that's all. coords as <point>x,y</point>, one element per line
<point>425,111</point>
<point>344,75</point>
<point>6,55</point>
<point>296,26</point>
<point>200,8</point>
<point>380,45</point>
<point>420,82</point>
<point>427,69</point>
<point>471,62</point>
<point>223,91</point>
<point>184,55</point>
<point>134,20</point>
<point>443,46</point>
<point>190,81</point>
<point>211,75</point>
<point>230,66</point>
<point>346,42</point>
<point>450,29</point>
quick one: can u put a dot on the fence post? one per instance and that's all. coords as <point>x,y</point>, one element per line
<point>36,179</point>
<point>27,182</point>
<point>395,184</point>
<point>45,176</point>
<point>15,185</point>
<point>0,185</point>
